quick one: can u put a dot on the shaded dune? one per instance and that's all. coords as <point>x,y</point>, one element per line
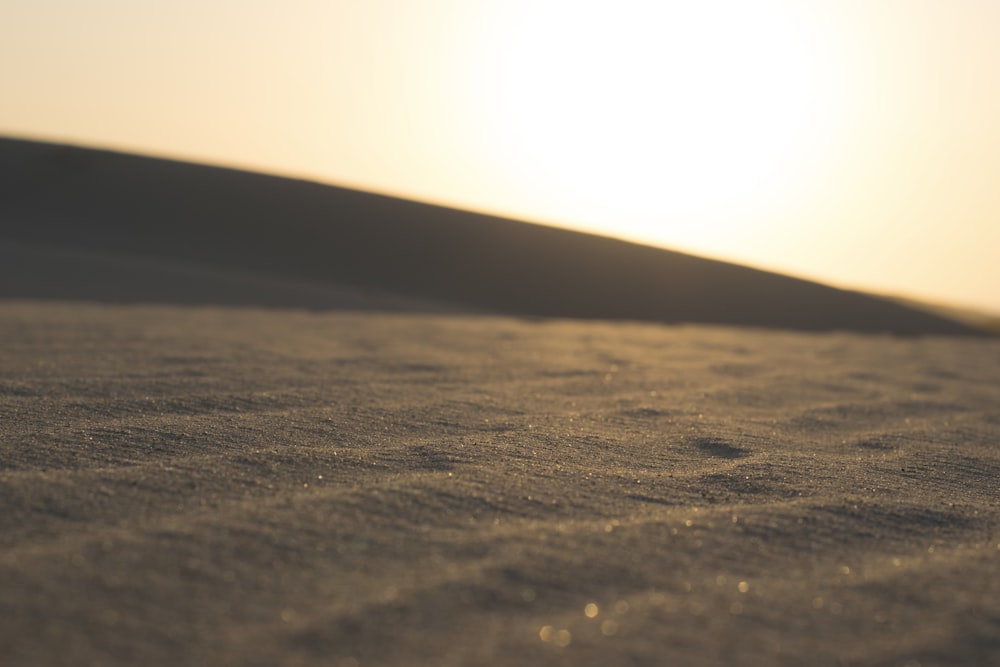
<point>36,271</point>
<point>125,205</point>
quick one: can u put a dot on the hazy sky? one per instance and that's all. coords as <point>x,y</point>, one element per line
<point>852,142</point>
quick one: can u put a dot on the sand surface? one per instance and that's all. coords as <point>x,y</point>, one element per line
<point>221,485</point>
<point>190,478</point>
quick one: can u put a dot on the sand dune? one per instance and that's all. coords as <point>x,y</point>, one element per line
<point>33,271</point>
<point>209,483</point>
<point>224,219</point>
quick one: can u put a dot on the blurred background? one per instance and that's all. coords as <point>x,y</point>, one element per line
<point>854,143</point>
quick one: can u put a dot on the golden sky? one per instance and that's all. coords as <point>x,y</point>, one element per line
<point>855,142</point>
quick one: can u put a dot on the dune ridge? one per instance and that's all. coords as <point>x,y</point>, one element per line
<point>100,201</point>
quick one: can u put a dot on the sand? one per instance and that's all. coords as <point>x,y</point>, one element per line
<point>254,421</point>
<point>221,485</point>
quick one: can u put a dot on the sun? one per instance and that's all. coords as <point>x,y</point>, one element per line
<point>679,118</point>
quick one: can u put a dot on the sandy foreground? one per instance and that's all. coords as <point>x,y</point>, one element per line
<point>219,485</point>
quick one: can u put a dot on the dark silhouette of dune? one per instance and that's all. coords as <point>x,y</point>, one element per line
<point>105,204</point>
<point>32,271</point>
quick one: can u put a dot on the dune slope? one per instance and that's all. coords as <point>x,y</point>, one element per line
<point>90,200</point>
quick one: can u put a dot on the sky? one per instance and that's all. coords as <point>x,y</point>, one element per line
<point>855,142</point>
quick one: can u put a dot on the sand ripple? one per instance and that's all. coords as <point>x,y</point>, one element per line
<point>226,486</point>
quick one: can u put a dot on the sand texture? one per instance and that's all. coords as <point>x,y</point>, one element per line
<point>218,485</point>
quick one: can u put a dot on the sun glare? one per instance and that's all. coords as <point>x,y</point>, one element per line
<point>687,117</point>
